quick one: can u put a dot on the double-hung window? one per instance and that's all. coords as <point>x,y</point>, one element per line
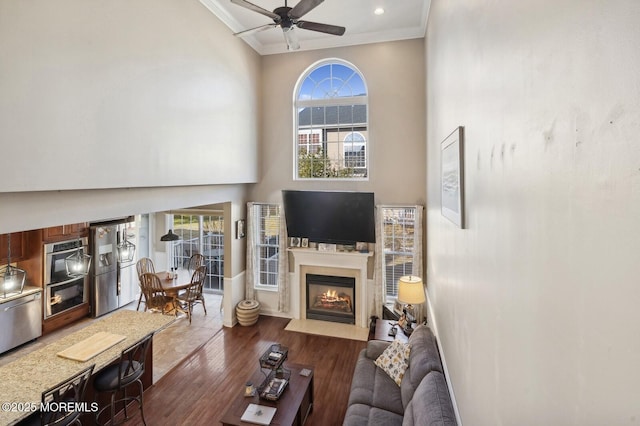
<point>267,248</point>
<point>399,245</point>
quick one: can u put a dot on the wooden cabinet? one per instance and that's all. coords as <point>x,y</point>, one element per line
<point>65,318</point>
<point>65,232</point>
<point>17,247</point>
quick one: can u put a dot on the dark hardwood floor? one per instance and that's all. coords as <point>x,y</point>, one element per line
<point>199,389</point>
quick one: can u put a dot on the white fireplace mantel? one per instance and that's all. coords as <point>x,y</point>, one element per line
<point>354,264</point>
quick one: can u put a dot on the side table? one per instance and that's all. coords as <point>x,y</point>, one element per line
<point>389,314</point>
<point>382,331</point>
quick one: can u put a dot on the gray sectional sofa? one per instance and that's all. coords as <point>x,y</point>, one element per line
<point>422,397</point>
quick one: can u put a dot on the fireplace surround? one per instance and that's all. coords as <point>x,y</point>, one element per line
<point>341,264</point>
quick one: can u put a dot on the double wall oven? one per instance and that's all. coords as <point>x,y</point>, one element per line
<point>61,291</point>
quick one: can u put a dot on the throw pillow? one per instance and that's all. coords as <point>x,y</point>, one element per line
<point>395,360</point>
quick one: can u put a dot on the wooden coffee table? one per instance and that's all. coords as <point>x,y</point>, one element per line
<point>292,408</point>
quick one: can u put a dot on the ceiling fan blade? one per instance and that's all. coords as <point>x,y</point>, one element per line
<point>255,8</point>
<point>302,8</point>
<point>323,28</point>
<point>255,30</point>
<point>291,38</point>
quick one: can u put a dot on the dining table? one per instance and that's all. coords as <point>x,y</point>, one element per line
<point>173,286</point>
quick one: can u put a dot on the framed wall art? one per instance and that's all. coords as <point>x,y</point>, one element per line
<point>452,177</point>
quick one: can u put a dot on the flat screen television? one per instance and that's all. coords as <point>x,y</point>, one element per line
<point>330,216</point>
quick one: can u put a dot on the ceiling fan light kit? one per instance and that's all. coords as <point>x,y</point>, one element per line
<point>288,19</point>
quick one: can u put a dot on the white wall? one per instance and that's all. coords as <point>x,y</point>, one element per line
<point>146,106</point>
<point>536,303</point>
<point>394,73</point>
<point>123,94</point>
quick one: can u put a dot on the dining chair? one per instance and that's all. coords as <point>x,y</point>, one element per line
<point>155,297</point>
<point>143,265</point>
<point>193,294</point>
<point>195,261</point>
<point>117,377</point>
<point>71,392</point>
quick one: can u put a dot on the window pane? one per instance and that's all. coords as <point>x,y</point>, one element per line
<point>202,234</point>
<point>398,246</point>
<point>267,244</point>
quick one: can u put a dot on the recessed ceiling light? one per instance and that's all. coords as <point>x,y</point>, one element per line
<point>378,11</point>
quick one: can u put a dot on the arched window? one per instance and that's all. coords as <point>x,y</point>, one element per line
<point>355,150</point>
<point>332,127</point>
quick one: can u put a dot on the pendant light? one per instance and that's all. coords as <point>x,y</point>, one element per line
<point>78,263</point>
<point>11,278</point>
<point>126,249</point>
<point>170,236</point>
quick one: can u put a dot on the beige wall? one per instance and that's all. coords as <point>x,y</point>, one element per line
<point>536,303</point>
<point>144,106</point>
<point>394,73</point>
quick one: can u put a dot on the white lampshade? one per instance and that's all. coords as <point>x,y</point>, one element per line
<point>410,290</point>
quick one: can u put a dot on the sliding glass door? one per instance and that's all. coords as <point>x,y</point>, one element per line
<point>201,234</point>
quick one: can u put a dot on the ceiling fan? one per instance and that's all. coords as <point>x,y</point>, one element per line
<point>289,18</point>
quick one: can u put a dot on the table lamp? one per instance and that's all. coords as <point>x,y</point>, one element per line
<point>410,292</point>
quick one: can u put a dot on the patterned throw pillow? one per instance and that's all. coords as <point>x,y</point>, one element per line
<point>395,360</point>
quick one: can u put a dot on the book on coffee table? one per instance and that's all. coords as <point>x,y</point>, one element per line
<point>258,414</point>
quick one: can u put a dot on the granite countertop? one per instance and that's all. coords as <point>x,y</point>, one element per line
<point>27,290</point>
<point>24,379</point>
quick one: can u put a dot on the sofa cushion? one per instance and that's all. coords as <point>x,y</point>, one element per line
<point>375,348</point>
<point>365,415</point>
<point>372,386</point>
<point>394,360</point>
<point>424,358</point>
<point>431,405</point>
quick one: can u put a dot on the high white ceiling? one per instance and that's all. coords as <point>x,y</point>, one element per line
<point>403,19</point>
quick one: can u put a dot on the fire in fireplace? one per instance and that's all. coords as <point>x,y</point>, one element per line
<point>331,298</point>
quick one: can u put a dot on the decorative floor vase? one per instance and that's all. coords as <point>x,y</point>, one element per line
<point>247,312</point>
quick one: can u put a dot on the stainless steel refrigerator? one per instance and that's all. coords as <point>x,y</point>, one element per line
<point>113,283</point>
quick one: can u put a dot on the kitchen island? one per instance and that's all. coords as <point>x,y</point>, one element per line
<point>24,379</point>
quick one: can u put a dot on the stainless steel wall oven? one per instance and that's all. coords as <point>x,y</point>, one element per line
<point>61,291</point>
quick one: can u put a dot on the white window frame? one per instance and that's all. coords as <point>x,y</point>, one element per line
<point>352,143</point>
<point>300,104</point>
<point>262,243</point>
<point>395,216</point>
<point>200,238</point>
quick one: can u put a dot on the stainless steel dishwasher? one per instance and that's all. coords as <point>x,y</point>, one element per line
<point>21,320</point>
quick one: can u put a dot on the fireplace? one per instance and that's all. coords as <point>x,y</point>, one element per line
<point>331,298</point>
<point>340,264</point>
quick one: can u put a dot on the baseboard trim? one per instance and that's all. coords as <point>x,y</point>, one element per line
<point>434,327</point>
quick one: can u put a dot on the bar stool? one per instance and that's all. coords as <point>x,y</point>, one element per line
<point>118,377</point>
<point>70,391</point>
